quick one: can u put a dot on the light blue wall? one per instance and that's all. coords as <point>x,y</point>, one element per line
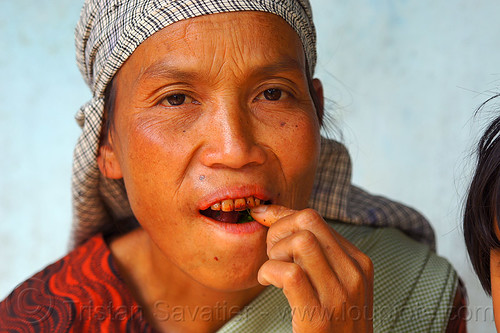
<point>405,75</point>
<point>40,91</point>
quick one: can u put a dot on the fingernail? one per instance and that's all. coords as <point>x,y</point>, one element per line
<point>259,209</point>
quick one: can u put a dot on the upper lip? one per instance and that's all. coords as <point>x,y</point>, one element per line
<point>235,192</point>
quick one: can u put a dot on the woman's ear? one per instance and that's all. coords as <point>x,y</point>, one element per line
<point>108,162</point>
<point>318,89</point>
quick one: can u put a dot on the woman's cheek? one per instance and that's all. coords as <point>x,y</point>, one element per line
<point>146,172</point>
<point>302,144</point>
<point>298,152</point>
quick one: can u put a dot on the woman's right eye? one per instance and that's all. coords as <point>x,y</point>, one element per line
<point>177,100</point>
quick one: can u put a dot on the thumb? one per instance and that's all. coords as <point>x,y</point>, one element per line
<point>268,214</point>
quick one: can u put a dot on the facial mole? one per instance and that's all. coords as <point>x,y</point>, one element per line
<point>216,259</point>
<point>282,124</point>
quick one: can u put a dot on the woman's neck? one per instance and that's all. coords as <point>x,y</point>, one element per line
<point>172,300</point>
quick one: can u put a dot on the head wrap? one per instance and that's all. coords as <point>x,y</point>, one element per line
<point>107,34</point>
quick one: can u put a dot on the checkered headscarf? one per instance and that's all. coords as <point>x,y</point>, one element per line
<point>108,33</point>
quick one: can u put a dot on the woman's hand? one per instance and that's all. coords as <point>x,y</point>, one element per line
<point>328,282</point>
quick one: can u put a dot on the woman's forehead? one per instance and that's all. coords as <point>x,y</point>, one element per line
<point>241,40</point>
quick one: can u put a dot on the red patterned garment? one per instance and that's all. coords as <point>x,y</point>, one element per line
<point>82,292</point>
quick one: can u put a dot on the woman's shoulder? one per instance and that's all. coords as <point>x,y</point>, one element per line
<point>414,288</point>
<point>83,289</point>
<point>395,253</point>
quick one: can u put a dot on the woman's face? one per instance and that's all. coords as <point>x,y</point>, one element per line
<point>209,109</point>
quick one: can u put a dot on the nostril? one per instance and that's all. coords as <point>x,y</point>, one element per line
<point>234,153</point>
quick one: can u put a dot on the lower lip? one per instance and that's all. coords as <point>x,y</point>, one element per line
<point>236,228</point>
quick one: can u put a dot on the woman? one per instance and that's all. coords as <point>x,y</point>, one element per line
<point>481,229</point>
<point>199,158</point>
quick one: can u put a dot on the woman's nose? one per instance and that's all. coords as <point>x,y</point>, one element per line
<point>231,140</point>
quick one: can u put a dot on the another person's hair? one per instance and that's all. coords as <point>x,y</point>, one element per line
<point>482,207</point>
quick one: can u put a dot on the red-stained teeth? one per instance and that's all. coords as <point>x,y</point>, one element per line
<point>250,202</point>
<point>240,204</point>
<point>227,205</point>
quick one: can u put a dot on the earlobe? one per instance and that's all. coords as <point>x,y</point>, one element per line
<point>108,163</point>
<point>318,89</point>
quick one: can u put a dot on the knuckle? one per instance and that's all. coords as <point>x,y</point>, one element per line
<point>364,265</point>
<point>356,280</point>
<point>341,297</point>
<point>309,217</point>
<point>321,325</point>
<point>367,265</point>
<point>305,240</point>
<point>293,276</point>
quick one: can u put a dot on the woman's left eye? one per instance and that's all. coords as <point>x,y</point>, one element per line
<point>272,94</point>
<point>177,100</point>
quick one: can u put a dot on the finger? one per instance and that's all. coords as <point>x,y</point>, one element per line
<point>348,263</point>
<point>269,214</point>
<point>307,312</point>
<point>359,257</point>
<point>346,260</point>
<point>333,243</point>
<point>304,249</point>
<point>290,221</point>
<point>291,278</point>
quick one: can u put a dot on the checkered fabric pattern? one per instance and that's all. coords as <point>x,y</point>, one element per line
<point>413,288</point>
<point>335,198</point>
<point>107,34</point>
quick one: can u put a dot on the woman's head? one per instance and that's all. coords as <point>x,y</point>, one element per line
<point>208,109</point>
<point>111,35</point>
<point>482,207</point>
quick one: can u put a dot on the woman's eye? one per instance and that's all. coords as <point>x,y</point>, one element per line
<point>177,100</point>
<point>272,94</point>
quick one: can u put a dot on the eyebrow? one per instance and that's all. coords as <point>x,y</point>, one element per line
<point>165,69</point>
<point>286,64</point>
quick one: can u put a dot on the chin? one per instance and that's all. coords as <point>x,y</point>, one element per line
<point>237,285</point>
<point>230,273</point>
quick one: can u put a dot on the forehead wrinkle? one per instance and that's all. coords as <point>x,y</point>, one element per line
<point>235,50</point>
<point>231,54</point>
<point>242,66</point>
<point>164,69</point>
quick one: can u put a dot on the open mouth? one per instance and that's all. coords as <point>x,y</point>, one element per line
<point>233,210</point>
